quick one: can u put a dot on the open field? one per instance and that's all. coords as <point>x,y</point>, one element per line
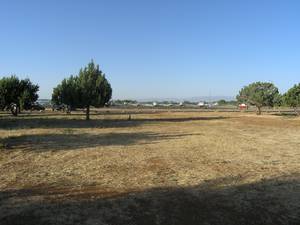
<point>157,168</point>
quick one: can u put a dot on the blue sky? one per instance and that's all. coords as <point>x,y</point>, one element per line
<point>153,48</point>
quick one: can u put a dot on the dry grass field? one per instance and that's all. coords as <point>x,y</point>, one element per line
<point>163,168</point>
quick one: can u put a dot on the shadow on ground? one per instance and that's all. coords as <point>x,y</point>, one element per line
<point>70,141</point>
<point>219,202</point>
<point>285,114</point>
<point>29,122</point>
<point>82,113</point>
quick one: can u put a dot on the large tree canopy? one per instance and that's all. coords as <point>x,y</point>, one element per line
<point>89,88</point>
<point>259,94</point>
<point>292,97</point>
<point>23,93</point>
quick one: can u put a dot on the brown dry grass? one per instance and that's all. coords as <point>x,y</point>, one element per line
<point>158,168</point>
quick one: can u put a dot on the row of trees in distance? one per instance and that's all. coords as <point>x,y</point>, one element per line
<point>91,88</point>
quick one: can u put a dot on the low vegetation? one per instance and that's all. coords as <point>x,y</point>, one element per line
<point>157,168</point>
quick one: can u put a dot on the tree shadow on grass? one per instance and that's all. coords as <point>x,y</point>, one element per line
<point>83,114</point>
<point>70,141</point>
<point>28,123</point>
<point>218,202</point>
<point>285,114</point>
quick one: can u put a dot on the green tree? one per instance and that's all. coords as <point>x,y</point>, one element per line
<point>292,97</point>
<point>2,100</point>
<point>23,93</point>
<point>27,94</point>
<point>9,88</point>
<point>259,94</point>
<point>56,95</point>
<point>89,88</point>
<point>67,93</point>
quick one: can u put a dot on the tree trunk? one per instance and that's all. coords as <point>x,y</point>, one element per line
<point>258,110</point>
<point>87,113</point>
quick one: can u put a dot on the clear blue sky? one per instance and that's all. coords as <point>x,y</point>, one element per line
<point>153,48</point>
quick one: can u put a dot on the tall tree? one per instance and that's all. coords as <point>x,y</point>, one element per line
<point>89,88</point>
<point>292,97</point>
<point>259,94</point>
